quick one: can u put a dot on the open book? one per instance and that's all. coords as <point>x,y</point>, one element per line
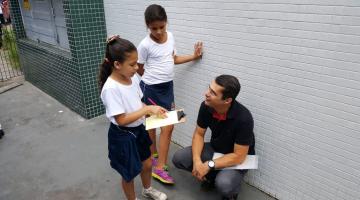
<point>250,162</point>
<point>173,117</point>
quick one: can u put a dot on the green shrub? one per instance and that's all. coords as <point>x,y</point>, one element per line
<point>9,43</point>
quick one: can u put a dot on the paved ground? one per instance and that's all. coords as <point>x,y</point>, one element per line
<point>49,152</point>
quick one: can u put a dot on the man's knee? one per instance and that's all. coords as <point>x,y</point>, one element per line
<point>182,158</point>
<point>226,186</point>
<point>176,159</point>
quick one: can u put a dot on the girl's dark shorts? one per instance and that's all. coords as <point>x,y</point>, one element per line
<point>162,94</point>
<point>128,147</point>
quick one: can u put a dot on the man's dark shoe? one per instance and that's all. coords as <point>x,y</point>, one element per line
<point>234,197</point>
<point>1,133</point>
<point>208,184</point>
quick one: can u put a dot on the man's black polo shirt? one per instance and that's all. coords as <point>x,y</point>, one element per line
<point>237,128</point>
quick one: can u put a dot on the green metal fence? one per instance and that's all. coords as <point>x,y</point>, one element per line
<point>9,57</point>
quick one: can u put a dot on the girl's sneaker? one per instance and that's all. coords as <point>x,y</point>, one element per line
<point>163,176</point>
<point>154,194</point>
<point>166,168</point>
<point>154,163</point>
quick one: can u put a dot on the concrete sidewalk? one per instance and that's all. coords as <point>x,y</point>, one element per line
<point>50,152</point>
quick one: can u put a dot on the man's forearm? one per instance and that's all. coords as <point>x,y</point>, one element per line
<point>197,147</point>
<point>235,158</point>
<point>229,160</point>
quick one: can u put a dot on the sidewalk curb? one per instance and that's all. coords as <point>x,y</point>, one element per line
<point>9,87</point>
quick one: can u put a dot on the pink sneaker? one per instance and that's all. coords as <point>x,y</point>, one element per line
<point>154,163</point>
<point>163,176</point>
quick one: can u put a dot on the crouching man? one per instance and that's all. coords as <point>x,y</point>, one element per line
<point>231,126</point>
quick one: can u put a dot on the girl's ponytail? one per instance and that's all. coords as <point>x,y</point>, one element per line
<point>105,68</point>
<point>117,49</point>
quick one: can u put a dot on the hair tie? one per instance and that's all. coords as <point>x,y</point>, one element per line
<point>106,60</point>
<point>112,38</point>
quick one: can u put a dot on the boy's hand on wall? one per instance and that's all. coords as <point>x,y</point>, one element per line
<point>198,50</point>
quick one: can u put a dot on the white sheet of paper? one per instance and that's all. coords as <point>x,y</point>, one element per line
<point>250,162</point>
<point>156,122</point>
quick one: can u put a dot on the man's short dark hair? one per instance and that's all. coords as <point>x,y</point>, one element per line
<point>230,84</point>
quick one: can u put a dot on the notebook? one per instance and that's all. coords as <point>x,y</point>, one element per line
<point>173,117</point>
<point>250,162</point>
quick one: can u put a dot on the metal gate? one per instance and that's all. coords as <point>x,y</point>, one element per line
<point>9,57</point>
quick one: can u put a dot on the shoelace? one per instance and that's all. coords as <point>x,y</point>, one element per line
<point>164,174</point>
<point>154,163</point>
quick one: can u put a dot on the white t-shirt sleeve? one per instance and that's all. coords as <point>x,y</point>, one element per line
<point>113,102</point>
<point>142,53</point>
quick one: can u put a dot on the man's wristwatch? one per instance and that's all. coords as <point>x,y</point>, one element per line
<point>211,164</point>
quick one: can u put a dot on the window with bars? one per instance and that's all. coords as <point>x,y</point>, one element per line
<point>44,21</point>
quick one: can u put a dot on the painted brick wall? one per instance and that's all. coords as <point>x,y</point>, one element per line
<point>298,63</point>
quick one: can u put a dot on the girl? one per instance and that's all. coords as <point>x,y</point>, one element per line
<point>157,56</point>
<point>128,142</point>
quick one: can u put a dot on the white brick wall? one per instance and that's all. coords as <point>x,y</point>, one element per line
<point>298,63</point>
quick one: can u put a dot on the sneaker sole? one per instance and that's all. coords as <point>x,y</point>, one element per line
<point>161,179</point>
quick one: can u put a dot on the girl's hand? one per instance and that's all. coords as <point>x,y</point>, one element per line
<point>198,47</point>
<point>157,110</point>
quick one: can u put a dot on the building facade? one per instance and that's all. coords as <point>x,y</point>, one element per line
<point>297,60</point>
<point>299,65</point>
<point>61,44</point>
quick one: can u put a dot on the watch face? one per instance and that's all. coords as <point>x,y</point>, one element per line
<point>211,164</point>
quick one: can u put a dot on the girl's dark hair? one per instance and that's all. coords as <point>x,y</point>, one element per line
<point>153,13</point>
<point>117,49</point>
<point>230,84</point>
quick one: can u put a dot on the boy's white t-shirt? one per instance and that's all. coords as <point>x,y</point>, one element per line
<point>118,99</point>
<point>158,59</point>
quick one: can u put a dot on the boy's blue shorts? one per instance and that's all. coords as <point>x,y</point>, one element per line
<point>128,147</point>
<point>162,94</point>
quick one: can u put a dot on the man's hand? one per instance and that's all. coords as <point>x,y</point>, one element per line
<point>200,169</point>
<point>196,166</point>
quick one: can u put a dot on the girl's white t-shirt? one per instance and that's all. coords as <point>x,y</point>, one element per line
<point>118,99</point>
<point>158,59</point>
